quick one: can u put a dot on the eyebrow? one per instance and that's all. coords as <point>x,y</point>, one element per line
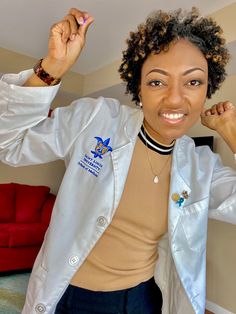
<point>167,74</point>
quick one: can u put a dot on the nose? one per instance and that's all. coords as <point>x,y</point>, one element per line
<point>174,96</point>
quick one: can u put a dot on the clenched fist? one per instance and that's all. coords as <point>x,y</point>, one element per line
<point>221,118</point>
<point>66,41</point>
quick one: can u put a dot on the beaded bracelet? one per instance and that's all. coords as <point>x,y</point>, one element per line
<point>44,76</point>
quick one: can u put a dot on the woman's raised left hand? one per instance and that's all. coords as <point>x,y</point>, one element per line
<point>218,115</point>
<point>221,118</point>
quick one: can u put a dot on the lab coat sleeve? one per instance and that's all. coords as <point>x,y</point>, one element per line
<point>27,135</point>
<point>222,203</point>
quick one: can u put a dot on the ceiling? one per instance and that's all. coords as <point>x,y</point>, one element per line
<point>25,25</point>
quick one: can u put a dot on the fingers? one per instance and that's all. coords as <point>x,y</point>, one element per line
<point>229,105</point>
<point>74,23</point>
<point>218,108</point>
<point>82,20</point>
<point>71,27</point>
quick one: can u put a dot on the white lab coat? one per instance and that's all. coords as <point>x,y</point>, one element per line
<point>92,187</point>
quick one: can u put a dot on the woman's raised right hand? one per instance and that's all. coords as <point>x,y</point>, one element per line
<point>66,41</point>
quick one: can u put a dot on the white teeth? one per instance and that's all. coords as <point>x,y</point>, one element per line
<point>173,116</point>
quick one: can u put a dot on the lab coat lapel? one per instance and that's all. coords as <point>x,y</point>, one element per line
<point>122,155</point>
<point>188,257</point>
<point>179,188</point>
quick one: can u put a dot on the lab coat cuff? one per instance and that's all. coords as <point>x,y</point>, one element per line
<point>16,92</point>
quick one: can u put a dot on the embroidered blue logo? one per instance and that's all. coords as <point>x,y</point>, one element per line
<point>101,148</point>
<point>89,162</point>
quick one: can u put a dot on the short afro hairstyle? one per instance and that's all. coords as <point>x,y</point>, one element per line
<point>160,29</point>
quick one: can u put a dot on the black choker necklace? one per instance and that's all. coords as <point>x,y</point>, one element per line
<point>152,144</point>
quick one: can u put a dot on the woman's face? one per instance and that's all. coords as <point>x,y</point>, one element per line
<point>173,90</point>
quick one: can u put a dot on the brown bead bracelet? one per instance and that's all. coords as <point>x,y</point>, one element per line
<point>44,76</point>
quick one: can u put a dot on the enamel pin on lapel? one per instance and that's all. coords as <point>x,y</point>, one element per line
<point>179,199</point>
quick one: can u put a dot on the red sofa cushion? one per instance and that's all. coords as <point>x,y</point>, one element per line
<point>4,238</point>
<point>21,235</point>
<point>47,209</point>
<point>17,258</point>
<point>7,202</point>
<point>29,202</point>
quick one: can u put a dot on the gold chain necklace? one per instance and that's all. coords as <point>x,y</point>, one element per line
<point>156,175</point>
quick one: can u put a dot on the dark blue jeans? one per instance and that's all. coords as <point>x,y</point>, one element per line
<point>146,298</point>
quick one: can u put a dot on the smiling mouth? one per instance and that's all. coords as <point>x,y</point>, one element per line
<point>173,117</point>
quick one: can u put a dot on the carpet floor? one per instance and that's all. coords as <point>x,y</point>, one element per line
<point>12,292</point>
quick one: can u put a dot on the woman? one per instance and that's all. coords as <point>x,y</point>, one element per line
<point>128,231</point>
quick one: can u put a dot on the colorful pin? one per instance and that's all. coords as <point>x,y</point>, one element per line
<point>178,199</point>
<point>185,194</point>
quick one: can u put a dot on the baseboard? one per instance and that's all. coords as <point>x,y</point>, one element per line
<point>216,309</point>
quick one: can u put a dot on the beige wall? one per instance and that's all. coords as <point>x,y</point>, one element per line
<point>12,62</point>
<point>221,261</point>
<point>48,174</point>
<point>221,256</point>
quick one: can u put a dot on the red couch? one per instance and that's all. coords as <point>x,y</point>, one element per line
<point>25,213</point>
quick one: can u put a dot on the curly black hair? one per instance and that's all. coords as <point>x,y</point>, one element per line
<point>160,29</point>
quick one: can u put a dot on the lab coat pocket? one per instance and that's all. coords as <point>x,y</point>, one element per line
<point>194,219</point>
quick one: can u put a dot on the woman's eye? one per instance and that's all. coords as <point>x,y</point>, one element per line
<point>155,83</point>
<point>194,83</point>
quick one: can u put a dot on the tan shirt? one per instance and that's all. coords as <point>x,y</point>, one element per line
<point>127,251</point>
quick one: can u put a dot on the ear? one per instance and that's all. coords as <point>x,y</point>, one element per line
<point>139,94</point>
<point>140,100</point>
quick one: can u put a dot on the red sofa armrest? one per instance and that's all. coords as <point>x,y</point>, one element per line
<point>47,209</point>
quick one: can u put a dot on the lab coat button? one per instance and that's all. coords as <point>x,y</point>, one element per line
<point>101,221</point>
<point>40,308</point>
<point>73,260</point>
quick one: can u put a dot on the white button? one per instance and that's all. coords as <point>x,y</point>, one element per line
<point>73,260</point>
<point>101,221</point>
<point>40,308</point>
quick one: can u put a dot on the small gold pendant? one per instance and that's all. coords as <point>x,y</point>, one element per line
<point>156,180</point>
